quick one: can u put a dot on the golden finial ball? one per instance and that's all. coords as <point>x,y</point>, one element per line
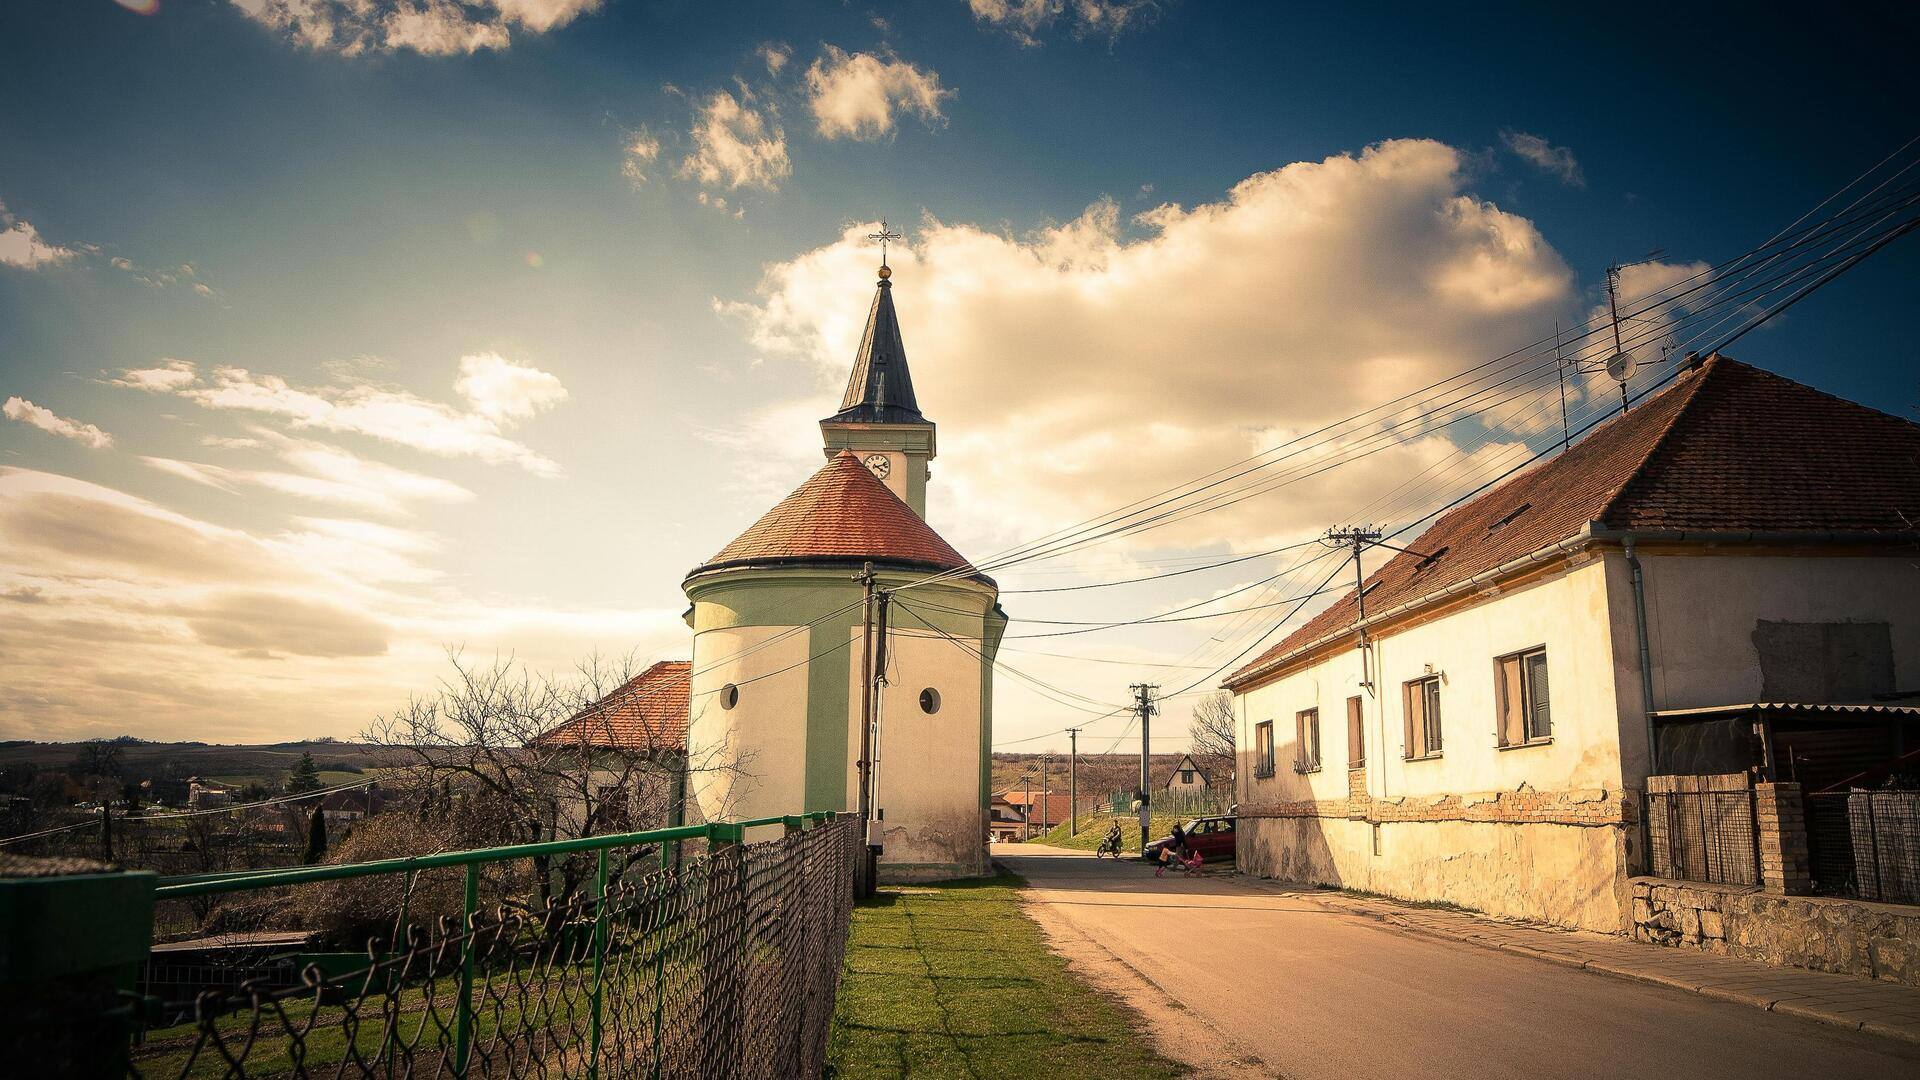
<point>885,271</point>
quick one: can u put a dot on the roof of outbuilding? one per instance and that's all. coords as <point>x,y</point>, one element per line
<point>648,712</point>
<point>842,513</point>
<point>1727,448</point>
<point>880,390</point>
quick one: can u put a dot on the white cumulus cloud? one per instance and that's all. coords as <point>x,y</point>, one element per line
<point>736,144</point>
<point>47,420</point>
<point>428,27</point>
<point>1026,19</point>
<point>22,246</point>
<point>1309,292</point>
<point>855,95</point>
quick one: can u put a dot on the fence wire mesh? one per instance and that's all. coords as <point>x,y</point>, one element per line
<point>1865,844</point>
<point>721,963</point>
<point>1702,836</point>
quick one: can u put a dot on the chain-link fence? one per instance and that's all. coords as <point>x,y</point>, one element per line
<point>1865,844</point>
<point>691,954</point>
<point>1702,836</point>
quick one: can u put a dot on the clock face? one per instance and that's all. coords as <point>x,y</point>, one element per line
<point>879,464</point>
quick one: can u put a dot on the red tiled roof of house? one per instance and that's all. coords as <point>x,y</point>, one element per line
<point>1727,448</point>
<point>841,513</point>
<point>649,712</point>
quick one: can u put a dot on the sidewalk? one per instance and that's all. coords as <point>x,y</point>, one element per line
<point>1877,1008</point>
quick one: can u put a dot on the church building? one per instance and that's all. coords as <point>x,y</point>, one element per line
<point>776,700</point>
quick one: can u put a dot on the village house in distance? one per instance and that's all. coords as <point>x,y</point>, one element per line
<point>1718,591</point>
<point>776,686</point>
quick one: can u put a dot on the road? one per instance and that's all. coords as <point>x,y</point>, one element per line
<point>1314,992</point>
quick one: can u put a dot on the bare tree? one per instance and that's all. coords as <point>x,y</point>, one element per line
<point>1211,735</point>
<point>501,754</point>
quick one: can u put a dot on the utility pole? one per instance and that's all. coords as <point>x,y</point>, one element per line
<point>1143,703</point>
<point>1560,368</point>
<point>1026,825</point>
<point>866,866</point>
<point>1073,781</point>
<point>1046,795</point>
<point>1358,539</point>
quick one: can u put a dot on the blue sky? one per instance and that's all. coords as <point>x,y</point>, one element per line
<point>651,333</point>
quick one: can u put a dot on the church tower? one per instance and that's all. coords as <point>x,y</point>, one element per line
<point>879,418</point>
<point>775,699</point>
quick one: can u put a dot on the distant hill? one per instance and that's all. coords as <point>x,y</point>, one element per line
<point>234,764</point>
<point>1099,773</point>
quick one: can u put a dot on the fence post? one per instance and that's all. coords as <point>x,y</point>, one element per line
<point>599,958</point>
<point>659,926</point>
<point>724,937</point>
<point>1780,839</point>
<point>73,934</point>
<point>463,1009</point>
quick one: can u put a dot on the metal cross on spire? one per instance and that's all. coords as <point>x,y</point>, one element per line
<point>883,236</point>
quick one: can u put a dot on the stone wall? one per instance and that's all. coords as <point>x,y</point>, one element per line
<point>1849,937</point>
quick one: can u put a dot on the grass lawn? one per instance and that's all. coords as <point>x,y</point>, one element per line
<point>1093,829</point>
<point>953,981</point>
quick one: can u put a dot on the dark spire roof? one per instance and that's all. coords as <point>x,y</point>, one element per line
<point>881,389</point>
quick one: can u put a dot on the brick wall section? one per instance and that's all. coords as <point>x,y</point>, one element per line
<point>1849,937</point>
<point>1357,793</point>
<point>1596,807</point>
<point>1785,868</point>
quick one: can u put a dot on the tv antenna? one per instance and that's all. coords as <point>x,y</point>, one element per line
<point>1621,365</point>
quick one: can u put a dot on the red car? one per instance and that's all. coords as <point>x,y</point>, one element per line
<point>1212,837</point>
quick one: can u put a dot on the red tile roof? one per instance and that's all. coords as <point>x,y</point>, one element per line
<point>648,713</point>
<point>842,513</point>
<point>1727,448</point>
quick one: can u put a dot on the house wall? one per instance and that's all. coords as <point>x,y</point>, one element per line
<point>1537,831</point>
<point>1703,609</point>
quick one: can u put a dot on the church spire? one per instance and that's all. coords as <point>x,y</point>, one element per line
<point>880,390</point>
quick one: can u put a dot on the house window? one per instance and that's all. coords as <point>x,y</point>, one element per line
<point>1524,714</point>
<point>1421,698</point>
<point>1356,735</point>
<point>1186,776</point>
<point>1263,748</point>
<point>1306,732</point>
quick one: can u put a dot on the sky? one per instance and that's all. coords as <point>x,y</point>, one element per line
<point>337,335</point>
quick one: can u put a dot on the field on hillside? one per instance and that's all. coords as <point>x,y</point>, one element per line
<point>1099,773</point>
<point>339,762</point>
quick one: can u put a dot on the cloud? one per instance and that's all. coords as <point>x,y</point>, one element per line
<point>46,420</point>
<point>428,27</point>
<point>736,145</point>
<point>638,157</point>
<point>856,95</point>
<point>1025,19</point>
<point>499,392</point>
<point>264,622</point>
<point>1554,160</point>
<point>326,474</point>
<point>22,246</point>
<point>1309,292</point>
<point>775,55</point>
<point>125,616</point>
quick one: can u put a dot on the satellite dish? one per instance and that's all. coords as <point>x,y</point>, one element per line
<point>1621,367</point>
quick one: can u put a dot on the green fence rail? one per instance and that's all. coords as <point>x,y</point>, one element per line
<point>690,953</point>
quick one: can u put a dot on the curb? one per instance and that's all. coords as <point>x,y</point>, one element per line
<point>1766,1001</point>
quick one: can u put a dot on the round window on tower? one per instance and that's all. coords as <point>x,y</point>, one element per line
<point>729,696</point>
<point>929,701</point>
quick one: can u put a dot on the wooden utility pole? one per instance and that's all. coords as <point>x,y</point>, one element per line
<point>1046,795</point>
<point>865,877</point>
<point>1026,812</point>
<point>1143,702</point>
<point>1073,781</point>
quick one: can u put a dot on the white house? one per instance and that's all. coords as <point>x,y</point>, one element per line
<point>1186,776</point>
<point>1478,730</point>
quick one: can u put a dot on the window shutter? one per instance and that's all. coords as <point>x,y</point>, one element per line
<point>1512,702</point>
<point>1430,712</point>
<point>1300,741</point>
<point>1414,702</point>
<point>1356,735</point>
<point>1539,718</point>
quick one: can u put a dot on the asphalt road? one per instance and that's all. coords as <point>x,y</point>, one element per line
<point>1316,992</point>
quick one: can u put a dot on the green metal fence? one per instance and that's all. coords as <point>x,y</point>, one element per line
<point>692,954</point>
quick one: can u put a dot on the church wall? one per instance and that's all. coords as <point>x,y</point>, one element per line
<point>748,761</point>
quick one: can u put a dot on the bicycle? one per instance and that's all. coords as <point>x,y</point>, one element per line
<point>1109,847</point>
